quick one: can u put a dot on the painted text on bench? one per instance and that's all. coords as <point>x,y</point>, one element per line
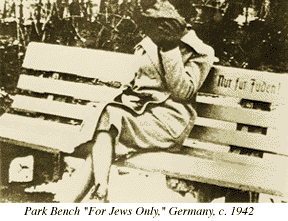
<point>251,85</point>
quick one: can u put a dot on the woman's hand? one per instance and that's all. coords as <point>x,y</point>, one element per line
<point>166,33</point>
<point>171,31</point>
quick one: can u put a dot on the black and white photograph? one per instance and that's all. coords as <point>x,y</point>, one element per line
<point>144,101</point>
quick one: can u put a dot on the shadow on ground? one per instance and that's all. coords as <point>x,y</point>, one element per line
<point>15,194</point>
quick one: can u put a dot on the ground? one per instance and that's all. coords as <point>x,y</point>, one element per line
<point>128,186</point>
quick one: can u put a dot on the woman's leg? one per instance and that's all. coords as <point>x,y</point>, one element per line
<point>95,170</point>
<point>102,153</point>
<point>98,164</point>
<point>84,181</point>
<point>79,184</point>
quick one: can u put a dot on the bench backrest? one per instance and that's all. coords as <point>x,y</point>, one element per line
<point>243,108</point>
<point>236,107</point>
<point>52,109</point>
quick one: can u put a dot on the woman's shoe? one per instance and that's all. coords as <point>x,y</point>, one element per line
<point>95,196</point>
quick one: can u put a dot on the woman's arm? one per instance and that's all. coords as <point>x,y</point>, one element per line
<point>184,80</point>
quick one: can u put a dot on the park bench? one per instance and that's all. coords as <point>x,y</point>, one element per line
<point>239,140</point>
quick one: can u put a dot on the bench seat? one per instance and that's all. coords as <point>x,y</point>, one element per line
<point>221,169</point>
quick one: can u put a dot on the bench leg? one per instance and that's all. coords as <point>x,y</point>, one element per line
<point>254,197</point>
<point>239,196</point>
<point>57,167</point>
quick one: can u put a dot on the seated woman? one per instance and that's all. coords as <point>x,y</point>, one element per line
<point>155,111</point>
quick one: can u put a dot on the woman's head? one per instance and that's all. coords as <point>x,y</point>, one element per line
<point>161,21</point>
<point>167,8</point>
<point>159,9</point>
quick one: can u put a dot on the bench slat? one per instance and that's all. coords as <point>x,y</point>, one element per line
<point>224,125</point>
<point>218,100</point>
<point>44,142</point>
<point>197,144</point>
<point>50,107</point>
<point>272,143</point>
<point>76,90</point>
<point>215,123</point>
<point>12,120</point>
<point>238,115</point>
<point>39,134</point>
<point>227,81</point>
<point>250,176</point>
<point>104,65</point>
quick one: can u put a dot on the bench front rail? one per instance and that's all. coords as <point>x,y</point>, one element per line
<point>238,141</point>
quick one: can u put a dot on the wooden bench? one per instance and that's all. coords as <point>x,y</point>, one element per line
<point>239,140</point>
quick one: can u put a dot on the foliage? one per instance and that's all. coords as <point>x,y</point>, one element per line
<point>9,63</point>
<point>260,43</point>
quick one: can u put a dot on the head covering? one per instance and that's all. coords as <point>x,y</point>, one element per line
<point>160,9</point>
